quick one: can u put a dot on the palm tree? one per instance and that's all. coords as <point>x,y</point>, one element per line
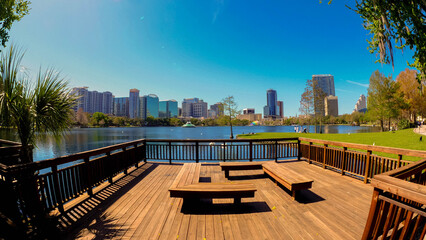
<point>35,110</point>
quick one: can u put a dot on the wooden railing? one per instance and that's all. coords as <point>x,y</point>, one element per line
<point>352,159</point>
<point>9,152</point>
<point>397,208</point>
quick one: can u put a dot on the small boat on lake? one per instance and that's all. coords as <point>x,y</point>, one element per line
<point>188,125</point>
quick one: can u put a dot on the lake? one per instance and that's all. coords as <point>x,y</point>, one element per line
<point>83,139</point>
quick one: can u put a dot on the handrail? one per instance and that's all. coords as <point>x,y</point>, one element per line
<point>223,140</point>
<point>392,150</point>
<point>12,143</point>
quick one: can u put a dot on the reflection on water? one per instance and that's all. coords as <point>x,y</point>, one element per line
<point>83,139</point>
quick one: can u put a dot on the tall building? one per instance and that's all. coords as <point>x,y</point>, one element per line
<point>92,101</point>
<point>331,106</point>
<point>248,111</point>
<point>168,109</point>
<point>121,107</point>
<point>149,106</point>
<point>271,109</point>
<point>361,104</point>
<point>187,106</point>
<point>199,109</point>
<point>281,108</point>
<point>325,82</point>
<point>134,103</point>
<point>216,110</point>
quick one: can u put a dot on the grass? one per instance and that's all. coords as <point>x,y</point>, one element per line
<point>399,139</point>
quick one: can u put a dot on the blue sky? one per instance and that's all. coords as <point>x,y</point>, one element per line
<point>206,49</point>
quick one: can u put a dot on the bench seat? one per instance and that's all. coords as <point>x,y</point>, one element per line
<point>290,179</point>
<point>187,186</point>
<point>228,166</point>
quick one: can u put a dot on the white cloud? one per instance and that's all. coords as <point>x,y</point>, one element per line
<point>359,84</point>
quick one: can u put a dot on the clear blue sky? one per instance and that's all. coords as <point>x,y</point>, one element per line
<point>206,49</point>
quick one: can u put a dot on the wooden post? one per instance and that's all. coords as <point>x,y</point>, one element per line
<point>325,151</point>
<point>372,215</point>
<point>134,155</point>
<point>144,151</point>
<point>197,157</point>
<point>251,151</point>
<point>108,156</point>
<point>124,154</point>
<point>170,152</point>
<point>367,166</point>
<point>299,151</point>
<point>58,194</point>
<point>224,151</point>
<point>309,153</point>
<point>276,151</point>
<point>399,160</point>
<point>89,177</point>
<point>344,160</point>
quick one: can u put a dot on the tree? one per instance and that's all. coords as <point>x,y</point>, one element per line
<point>99,118</point>
<point>307,106</point>
<point>11,11</point>
<point>402,22</point>
<point>230,108</point>
<point>385,102</point>
<point>81,117</point>
<point>415,100</point>
<point>41,108</point>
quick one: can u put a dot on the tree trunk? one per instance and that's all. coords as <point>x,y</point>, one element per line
<point>381,125</point>
<point>232,133</point>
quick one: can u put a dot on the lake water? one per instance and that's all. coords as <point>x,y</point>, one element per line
<point>83,139</point>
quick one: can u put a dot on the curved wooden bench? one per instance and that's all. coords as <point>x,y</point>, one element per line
<point>187,186</point>
<point>227,166</point>
<point>290,179</point>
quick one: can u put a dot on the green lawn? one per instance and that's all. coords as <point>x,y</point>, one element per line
<point>400,139</point>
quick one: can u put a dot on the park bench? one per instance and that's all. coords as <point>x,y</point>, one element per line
<point>228,166</point>
<point>187,186</point>
<point>290,179</point>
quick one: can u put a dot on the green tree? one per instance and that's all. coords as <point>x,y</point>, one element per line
<point>230,108</point>
<point>416,100</point>
<point>175,122</point>
<point>43,107</point>
<point>399,22</point>
<point>11,11</point>
<point>99,118</point>
<point>385,101</point>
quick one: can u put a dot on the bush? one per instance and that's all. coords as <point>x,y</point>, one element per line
<point>403,124</point>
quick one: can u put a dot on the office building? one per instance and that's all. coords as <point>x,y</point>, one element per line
<point>250,117</point>
<point>134,100</point>
<point>121,107</point>
<point>271,110</point>
<point>331,106</point>
<point>361,104</point>
<point>149,106</point>
<point>92,101</point>
<point>216,110</point>
<point>199,109</point>
<point>187,106</point>
<point>248,111</point>
<point>281,108</point>
<point>325,82</point>
<point>168,109</point>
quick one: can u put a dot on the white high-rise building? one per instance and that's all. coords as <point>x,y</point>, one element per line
<point>361,104</point>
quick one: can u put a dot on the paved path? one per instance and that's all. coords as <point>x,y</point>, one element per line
<point>421,130</point>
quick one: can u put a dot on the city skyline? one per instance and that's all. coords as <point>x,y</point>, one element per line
<point>192,48</point>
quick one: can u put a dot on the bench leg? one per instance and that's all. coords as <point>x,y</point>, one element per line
<point>226,173</point>
<point>237,200</point>
<point>294,194</point>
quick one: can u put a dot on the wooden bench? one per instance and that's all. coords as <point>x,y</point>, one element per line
<point>228,166</point>
<point>290,179</point>
<point>187,186</point>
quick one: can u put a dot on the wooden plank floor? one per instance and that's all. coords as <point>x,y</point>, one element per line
<point>336,207</point>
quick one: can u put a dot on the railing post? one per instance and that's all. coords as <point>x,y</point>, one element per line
<point>170,152</point>
<point>299,150</point>
<point>399,160</point>
<point>372,215</point>
<point>58,194</point>
<point>110,177</point>
<point>325,155</point>
<point>124,154</point>
<point>367,166</point>
<point>144,151</point>
<point>134,155</point>
<point>344,160</point>
<point>89,177</point>
<point>197,157</point>
<point>309,153</point>
<point>224,151</point>
<point>251,151</point>
<point>276,151</point>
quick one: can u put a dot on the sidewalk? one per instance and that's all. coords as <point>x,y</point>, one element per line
<point>421,130</point>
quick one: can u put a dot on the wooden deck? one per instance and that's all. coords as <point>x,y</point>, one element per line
<point>138,206</point>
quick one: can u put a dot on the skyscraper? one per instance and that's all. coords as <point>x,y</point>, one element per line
<point>149,106</point>
<point>331,106</point>
<point>361,104</point>
<point>199,109</point>
<point>271,109</point>
<point>168,109</point>
<point>281,108</point>
<point>92,101</point>
<point>216,109</point>
<point>187,106</point>
<point>325,82</point>
<point>134,103</point>
<point>121,107</point>
<point>107,102</point>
